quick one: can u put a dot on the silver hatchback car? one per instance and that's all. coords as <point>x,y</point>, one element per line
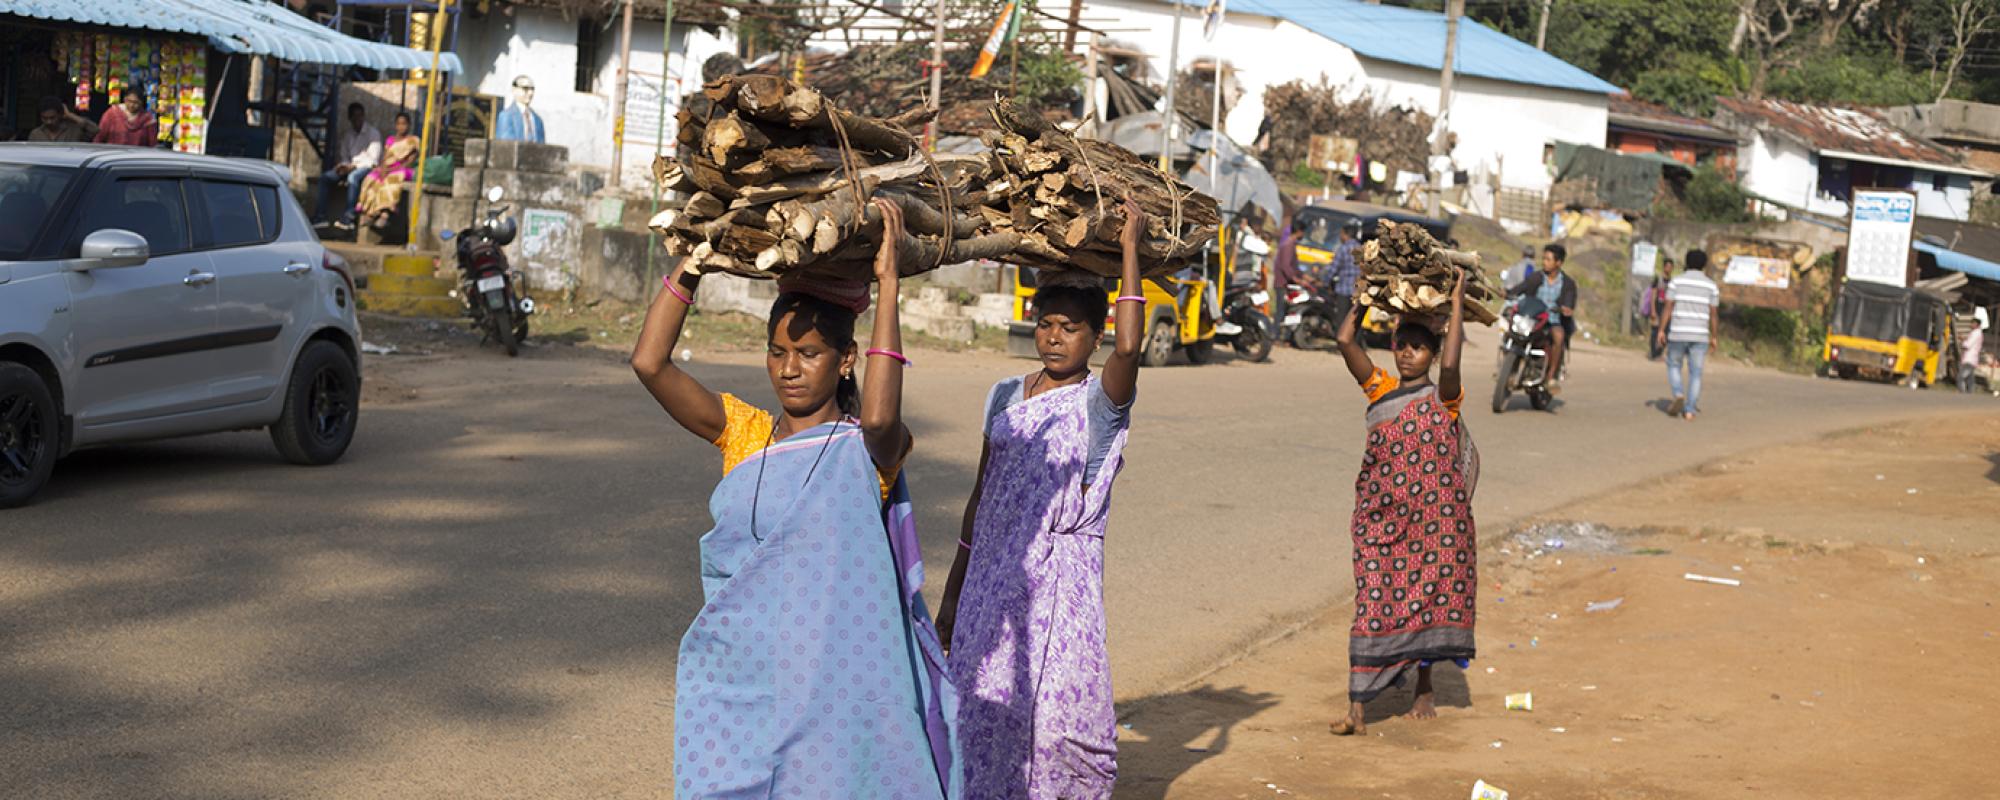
<point>147,294</point>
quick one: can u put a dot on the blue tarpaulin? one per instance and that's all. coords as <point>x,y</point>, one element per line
<point>252,27</point>
<point>1960,262</point>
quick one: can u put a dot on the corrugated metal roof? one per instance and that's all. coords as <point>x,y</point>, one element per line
<point>235,26</point>
<point>1848,132</point>
<point>1640,115</point>
<point>1413,37</point>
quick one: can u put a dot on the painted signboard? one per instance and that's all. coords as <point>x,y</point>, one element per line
<point>1878,237</point>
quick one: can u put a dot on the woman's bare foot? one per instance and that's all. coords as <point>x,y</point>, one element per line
<point>1425,706</point>
<point>1350,725</point>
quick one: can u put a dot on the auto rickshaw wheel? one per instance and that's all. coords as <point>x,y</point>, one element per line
<point>1160,341</point>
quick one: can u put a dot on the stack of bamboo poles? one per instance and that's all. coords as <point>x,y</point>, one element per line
<point>1407,272</point>
<point>780,181</point>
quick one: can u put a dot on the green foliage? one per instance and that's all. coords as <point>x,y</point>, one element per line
<point>1676,52</point>
<point>1680,91</point>
<point>1046,72</point>
<point>1690,83</point>
<point>1711,196</point>
<point>1862,78</point>
<point>1305,173</point>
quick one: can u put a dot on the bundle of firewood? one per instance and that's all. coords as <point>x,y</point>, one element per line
<point>780,180</point>
<point>1405,271</point>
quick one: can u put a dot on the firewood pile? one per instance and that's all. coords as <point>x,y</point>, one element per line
<point>1294,112</point>
<point>1407,272</point>
<point>887,80</point>
<point>779,180</point>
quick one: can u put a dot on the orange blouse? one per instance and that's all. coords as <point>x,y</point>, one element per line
<point>748,429</point>
<point>1380,384</point>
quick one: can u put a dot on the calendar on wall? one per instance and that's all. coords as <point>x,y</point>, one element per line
<point>1878,237</point>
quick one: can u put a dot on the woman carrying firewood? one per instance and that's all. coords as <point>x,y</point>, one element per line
<point>1023,611</point>
<point>813,667</point>
<point>1415,578</point>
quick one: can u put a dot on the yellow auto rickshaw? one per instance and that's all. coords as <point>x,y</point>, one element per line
<point>1888,333</point>
<point>1174,319</point>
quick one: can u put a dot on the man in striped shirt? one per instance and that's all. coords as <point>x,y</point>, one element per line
<point>1692,300</point>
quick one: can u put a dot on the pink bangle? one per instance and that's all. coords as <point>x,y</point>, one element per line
<point>667,282</point>
<point>1136,298</point>
<point>964,545</point>
<point>876,351</point>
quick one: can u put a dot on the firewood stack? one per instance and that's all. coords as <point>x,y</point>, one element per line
<point>779,181</point>
<point>1407,272</point>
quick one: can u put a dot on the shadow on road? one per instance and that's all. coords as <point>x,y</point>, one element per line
<point>487,577</point>
<point>1173,733</point>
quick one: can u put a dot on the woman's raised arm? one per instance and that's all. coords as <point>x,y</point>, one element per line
<point>691,404</point>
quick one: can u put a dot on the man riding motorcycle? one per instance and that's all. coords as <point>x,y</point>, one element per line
<point>1557,292</point>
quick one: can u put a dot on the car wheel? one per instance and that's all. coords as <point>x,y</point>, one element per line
<point>29,435</point>
<point>322,407</point>
<point>1160,343</point>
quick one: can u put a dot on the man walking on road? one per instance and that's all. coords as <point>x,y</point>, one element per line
<point>1345,270</point>
<point>1969,349</point>
<point>1692,299</point>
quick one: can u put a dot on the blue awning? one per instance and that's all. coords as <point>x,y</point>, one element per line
<point>252,27</point>
<point>1960,262</point>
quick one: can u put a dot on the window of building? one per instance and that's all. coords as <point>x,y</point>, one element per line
<point>589,35</point>
<point>1940,182</point>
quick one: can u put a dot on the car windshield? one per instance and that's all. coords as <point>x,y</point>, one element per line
<point>27,196</point>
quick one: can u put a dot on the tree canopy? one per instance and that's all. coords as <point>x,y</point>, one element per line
<point>1682,53</point>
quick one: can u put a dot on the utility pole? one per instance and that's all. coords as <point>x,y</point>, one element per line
<point>937,76</point>
<point>1215,128</point>
<point>1441,144</point>
<point>1173,115</point>
<point>430,107</point>
<point>618,99</point>
<point>660,130</point>
<point>1542,29</point>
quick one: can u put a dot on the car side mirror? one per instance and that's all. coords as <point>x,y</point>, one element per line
<point>112,248</point>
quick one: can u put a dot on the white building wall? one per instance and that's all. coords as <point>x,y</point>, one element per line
<point>542,44</point>
<point>1785,171</point>
<point>1781,170</point>
<point>1501,126</point>
<point>1954,202</point>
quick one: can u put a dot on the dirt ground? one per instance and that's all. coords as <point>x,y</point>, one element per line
<point>1856,658</point>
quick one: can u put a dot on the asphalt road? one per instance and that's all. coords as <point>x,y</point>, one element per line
<point>484,598</point>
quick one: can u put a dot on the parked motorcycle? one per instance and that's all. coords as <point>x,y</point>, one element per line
<point>1244,324</point>
<point>492,291</point>
<point>1524,353</point>
<point>1311,321</point>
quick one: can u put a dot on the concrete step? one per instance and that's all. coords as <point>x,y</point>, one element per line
<point>415,266</point>
<point>393,283</point>
<point>410,305</point>
<point>365,259</point>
